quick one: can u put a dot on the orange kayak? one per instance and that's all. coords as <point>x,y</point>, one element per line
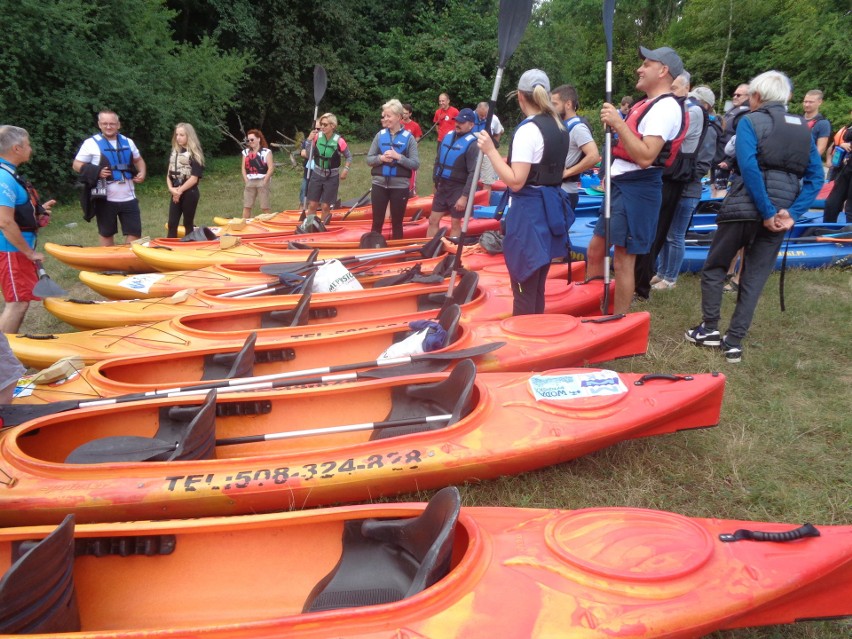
<point>530,342</point>
<point>512,573</point>
<point>231,327</point>
<point>347,235</point>
<point>245,452</point>
<point>376,303</point>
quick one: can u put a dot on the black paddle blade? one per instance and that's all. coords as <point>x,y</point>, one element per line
<point>16,414</point>
<point>320,83</point>
<point>513,19</point>
<point>416,367</point>
<point>608,14</point>
<point>433,247</point>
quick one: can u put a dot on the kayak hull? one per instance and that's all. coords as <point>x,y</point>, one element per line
<point>507,431</point>
<point>531,342</point>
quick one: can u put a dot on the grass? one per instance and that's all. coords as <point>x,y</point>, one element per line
<point>783,449</point>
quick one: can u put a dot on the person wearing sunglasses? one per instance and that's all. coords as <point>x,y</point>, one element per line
<point>257,169</point>
<point>331,162</point>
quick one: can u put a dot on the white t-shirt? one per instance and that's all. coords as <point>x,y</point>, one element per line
<point>662,120</point>
<point>578,136</point>
<point>90,153</point>
<point>528,143</point>
<point>496,127</point>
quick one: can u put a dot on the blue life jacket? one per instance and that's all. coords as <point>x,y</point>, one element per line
<point>120,159</point>
<point>399,143</point>
<point>479,123</point>
<point>450,163</point>
<point>26,213</point>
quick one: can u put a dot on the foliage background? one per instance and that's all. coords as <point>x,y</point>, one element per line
<point>159,62</point>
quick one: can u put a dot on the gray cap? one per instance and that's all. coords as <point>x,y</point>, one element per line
<point>705,94</point>
<point>533,78</point>
<point>665,56</point>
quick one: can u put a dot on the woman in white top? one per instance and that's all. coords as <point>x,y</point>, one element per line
<point>257,168</point>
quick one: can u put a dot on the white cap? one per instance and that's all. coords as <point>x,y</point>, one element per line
<point>705,94</point>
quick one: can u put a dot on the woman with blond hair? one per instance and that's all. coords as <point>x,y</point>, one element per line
<point>257,169</point>
<point>186,166</point>
<point>539,214</point>
<point>393,156</point>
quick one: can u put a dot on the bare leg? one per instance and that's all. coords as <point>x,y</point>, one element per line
<point>434,223</point>
<point>595,257</point>
<point>106,241</point>
<point>13,316</point>
<point>624,279</point>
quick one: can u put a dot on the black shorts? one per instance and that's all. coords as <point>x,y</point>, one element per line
<point>128,213</point>
<point>447,194</point>
<point>323,189</point>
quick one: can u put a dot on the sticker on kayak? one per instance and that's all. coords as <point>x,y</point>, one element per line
<point>577,385</point>
<point>25,386</point>
<point>141,282</point>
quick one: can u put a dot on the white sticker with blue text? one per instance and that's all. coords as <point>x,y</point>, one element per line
<point>141,282</point>
<point>576,385</point>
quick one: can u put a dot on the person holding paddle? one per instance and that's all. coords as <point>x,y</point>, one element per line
<point>540,215</point>
<point>327,172</point>
<point>21,216</point>
<point>394,157</point>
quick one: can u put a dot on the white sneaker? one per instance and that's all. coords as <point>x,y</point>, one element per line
<point>663,285</point>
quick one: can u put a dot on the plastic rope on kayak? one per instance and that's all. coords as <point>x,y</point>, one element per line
<point>806,530</point>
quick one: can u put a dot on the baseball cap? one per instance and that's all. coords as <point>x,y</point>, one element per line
<point>665,56</point>
<point>466,115</point>
<point>705,94</point>
<point>533,78</point>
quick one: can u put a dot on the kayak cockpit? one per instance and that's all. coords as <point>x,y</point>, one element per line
<point>68,583</point>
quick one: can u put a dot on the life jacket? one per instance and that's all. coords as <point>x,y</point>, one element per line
<point>783,154</point>
<point>548,171</point>
<point>256,162</point>
<point>479,123</point>
<point>120,158</point>
<point>399,143</point>
<point>812,123</point>
<point>450,164</point>
<point>26,214</point>
<point>683,167</point>
<point>731,119</point>
<point>327,154</point>
<point>670,149</point>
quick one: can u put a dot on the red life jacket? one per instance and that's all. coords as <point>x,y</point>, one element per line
<point>670,149</point>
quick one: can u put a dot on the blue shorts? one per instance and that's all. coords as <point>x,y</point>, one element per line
<point>634,210</point>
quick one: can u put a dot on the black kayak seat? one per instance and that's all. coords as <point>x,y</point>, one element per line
<point>372,239</point>
<point>175,439</point>
<point>449,318</point>
<point>463,292</point>
<point>231,365</point>
<point>452,396</point>
<point>297,316</point>
<point>37,593</point>
<point>388,560</point>
<point>199,234</point>
<point>816,231</point>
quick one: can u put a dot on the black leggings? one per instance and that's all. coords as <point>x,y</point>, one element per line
<point>528,296</point>
<point>186,206</point>
<point>380,197</point>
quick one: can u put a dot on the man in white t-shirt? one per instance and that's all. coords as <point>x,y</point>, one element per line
<point>582,152</point>
<point>113,158</point>
<point>487,175</point>
<point>644,145</point>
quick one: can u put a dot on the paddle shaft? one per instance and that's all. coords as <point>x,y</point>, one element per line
<point>320,83</point>
<point>608,15</point>
<point>333,430</point>
<point>358,203</point>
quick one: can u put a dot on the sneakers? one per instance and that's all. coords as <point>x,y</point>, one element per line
<point>663,285</point>
<point>733,354</point>
<point>703,336</point>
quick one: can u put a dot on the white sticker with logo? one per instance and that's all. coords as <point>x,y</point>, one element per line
<point>577,385</point>
<point>141,282</point>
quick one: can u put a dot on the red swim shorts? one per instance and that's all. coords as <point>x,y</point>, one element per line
<point>17,277</point>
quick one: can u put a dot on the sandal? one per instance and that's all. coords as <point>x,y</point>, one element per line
<point>731,287</point>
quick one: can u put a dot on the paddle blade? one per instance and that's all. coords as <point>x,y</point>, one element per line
<point>320,83</point>
<point>15,414</point>
<point>512,22</point>
<point>608,14</point>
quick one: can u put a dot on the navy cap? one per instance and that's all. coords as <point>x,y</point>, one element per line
<point>466,115</point>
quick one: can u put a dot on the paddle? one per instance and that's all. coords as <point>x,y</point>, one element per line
<point>332,430</point>
<point>431,128</point>
<point>14,414</point>
<point>428,250</point>
<point>811,239</point>
<point>320,84</point>
<point>360,201</point>
<point>46,287</point>
<point>511,23</point>
<point>608,16</point>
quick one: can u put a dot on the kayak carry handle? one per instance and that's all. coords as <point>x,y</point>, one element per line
<point>602,320</point>
<point>672,378</point>
<point>806,530</point>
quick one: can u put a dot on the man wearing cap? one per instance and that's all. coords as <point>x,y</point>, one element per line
<point>647,140</point>
<point>444,116</point>
<point>675,178</point>
<point>455,164</point>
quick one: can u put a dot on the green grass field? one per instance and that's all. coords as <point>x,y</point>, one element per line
<point>783,449</point>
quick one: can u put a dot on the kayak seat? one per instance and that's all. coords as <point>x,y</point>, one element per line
<point>297,316</point>
<point>231,365</point>
<point>388,560</point>
<point>463,293</point>
<point>815,231</point>
<point>449,319</point>
<point>372,239</point>
<point>175,439</point>
<point>199,234</point>
<point>37,593</point>
<point>452,396</point>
